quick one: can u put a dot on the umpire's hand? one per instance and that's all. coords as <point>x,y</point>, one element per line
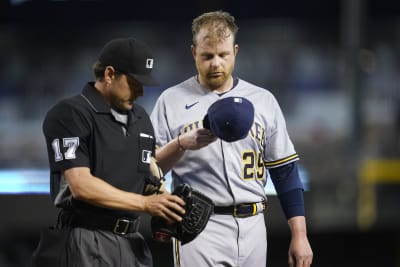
<point>167,206</point>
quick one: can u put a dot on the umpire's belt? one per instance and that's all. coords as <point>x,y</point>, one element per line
<point>94,221</point>
<point>242,210</point>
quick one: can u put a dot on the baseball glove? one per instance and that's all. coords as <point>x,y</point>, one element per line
<point>154,183</point>
<point>198,210</point>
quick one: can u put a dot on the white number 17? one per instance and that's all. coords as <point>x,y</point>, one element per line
<point>71,143</point>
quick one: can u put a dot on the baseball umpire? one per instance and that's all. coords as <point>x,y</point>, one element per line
<point>100,147</point>
<point>207,143</point>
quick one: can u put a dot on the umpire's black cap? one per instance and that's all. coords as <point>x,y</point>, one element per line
<point>129,56</point>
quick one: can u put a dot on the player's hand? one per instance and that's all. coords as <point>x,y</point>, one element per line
<point>167,206</point>
<point>196,139</point>
<point>300,253</point>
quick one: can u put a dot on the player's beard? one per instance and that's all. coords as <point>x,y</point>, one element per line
<point>213,81</point>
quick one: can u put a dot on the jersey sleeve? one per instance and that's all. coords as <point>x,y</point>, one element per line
<point>279,148</point>
<point>66,132</point>
<point>160,123</point>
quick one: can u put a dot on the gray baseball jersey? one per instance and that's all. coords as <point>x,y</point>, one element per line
<point>229,173</point>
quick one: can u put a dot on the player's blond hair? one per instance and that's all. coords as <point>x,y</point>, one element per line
<point>217,23</point>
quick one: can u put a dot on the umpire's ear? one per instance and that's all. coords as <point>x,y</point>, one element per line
<point>109,73</point>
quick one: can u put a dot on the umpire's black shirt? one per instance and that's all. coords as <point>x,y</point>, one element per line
<point>81,131</point>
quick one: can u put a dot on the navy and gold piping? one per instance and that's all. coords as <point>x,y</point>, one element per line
<point>280,162</point>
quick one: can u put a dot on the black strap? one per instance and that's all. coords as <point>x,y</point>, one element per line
<point>94,221</point>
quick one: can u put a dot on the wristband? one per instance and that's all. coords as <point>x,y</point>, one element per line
<point>180,147</point>
<point>292,203</point>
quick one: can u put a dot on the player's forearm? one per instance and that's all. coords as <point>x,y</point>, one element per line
<point>169,154</point>
<point>300,252</point>
<point>97,192</point>
<point>298,226</point>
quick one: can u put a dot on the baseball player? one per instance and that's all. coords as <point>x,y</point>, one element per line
<point>100,147</point>
<point>232,173</point>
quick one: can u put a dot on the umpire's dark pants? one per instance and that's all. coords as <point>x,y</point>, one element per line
<point>92,248</point>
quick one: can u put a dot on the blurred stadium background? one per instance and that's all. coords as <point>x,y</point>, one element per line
<point>334,66</point>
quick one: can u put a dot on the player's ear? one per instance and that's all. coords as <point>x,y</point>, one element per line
<point>193,48</point>
<point>236,49</point>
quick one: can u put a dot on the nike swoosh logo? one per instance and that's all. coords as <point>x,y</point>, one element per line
<point>191,105</point>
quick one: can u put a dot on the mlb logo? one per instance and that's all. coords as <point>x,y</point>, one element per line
<point>149,63</point>
<point>146,156</point>
<point>237,100</point>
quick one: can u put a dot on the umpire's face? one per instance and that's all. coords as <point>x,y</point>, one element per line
<point>123,90</point>
<point>215,58</point>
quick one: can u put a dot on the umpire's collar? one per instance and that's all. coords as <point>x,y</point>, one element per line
<point>97,102</point>
<point>95,99</point>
